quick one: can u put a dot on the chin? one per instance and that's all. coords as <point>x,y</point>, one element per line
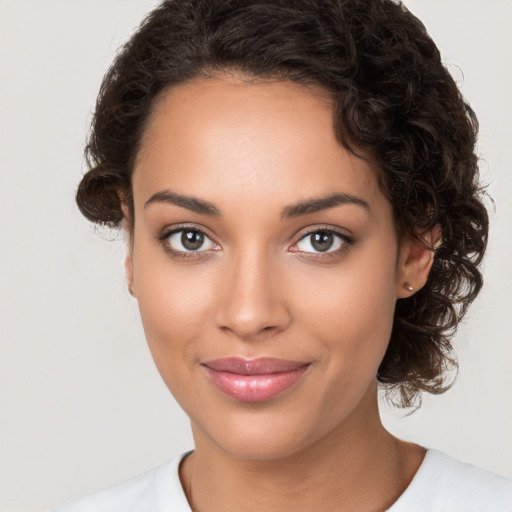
<point>253,436</point>
<point>258,448</point>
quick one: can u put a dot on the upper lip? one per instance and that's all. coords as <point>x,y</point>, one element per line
<point>259,366</point>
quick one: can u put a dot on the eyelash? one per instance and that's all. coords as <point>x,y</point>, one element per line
<point>181,255</point>
<point>346,240</point>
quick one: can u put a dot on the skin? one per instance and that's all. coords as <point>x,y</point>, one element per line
<point>258,287</point>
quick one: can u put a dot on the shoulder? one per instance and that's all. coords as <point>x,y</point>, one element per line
<point>158,489</point>
<point>444,484</point>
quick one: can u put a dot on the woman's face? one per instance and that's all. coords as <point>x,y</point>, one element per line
<point>257,235</point>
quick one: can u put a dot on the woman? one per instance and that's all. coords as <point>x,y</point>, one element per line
<point>299,188</point>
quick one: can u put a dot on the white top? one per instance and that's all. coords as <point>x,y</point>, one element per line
<point>442,484</point>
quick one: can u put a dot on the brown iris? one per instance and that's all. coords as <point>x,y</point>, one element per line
<point>322,240</point>
<point>192,240</point>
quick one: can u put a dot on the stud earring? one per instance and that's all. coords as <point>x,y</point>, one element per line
<point>408,286</point>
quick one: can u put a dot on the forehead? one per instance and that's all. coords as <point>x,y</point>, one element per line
<point>226,138</point>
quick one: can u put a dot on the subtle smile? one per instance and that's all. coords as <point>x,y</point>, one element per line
<point>254,380</point>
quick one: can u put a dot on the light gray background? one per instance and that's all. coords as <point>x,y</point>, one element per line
<point>81,405</point>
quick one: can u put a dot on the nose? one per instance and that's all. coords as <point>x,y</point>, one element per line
<point>252,302</point>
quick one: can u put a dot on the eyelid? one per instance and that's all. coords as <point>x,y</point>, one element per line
<point>179,254</point>
<point>324,228</point>
<point>347,241</point>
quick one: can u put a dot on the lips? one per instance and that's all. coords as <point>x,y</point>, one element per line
<point>254,380</point>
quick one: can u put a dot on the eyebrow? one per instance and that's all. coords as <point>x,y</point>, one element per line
<point>292,211</point>
<point>191,203</point>
<point>317,204</point>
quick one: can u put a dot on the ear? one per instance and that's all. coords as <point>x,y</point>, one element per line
<point>415,259</point>
<point>128,262</point>
<point>128,267</point>
<point>128,233</point>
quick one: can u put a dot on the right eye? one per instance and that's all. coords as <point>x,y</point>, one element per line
<point>186,243</point>
<point>187,240</point>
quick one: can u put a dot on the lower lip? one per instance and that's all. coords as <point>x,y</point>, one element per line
<point>254,388</point>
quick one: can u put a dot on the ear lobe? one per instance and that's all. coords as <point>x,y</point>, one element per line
<point>416,257</point>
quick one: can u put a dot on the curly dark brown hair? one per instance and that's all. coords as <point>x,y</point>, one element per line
<point>392,96</point>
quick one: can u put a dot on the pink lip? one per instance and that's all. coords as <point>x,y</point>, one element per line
<point>254,380</point>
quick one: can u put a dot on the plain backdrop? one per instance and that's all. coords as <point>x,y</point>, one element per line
<point>81,405</point>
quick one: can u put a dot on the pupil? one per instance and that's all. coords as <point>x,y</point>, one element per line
<point>192,240</point>
<point>322,241</point>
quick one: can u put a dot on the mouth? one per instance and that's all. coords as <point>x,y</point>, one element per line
<point>254,380</point>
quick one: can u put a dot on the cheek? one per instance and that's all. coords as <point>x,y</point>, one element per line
<point>350,309</point>
<point>348,315</point>
<point>174,301</point>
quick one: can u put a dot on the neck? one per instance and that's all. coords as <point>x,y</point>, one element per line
<point>358,466</point>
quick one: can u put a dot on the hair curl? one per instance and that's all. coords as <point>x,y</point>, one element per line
<point>391,96</point>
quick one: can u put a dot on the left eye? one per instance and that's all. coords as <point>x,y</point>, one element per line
<point>321,241</point>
